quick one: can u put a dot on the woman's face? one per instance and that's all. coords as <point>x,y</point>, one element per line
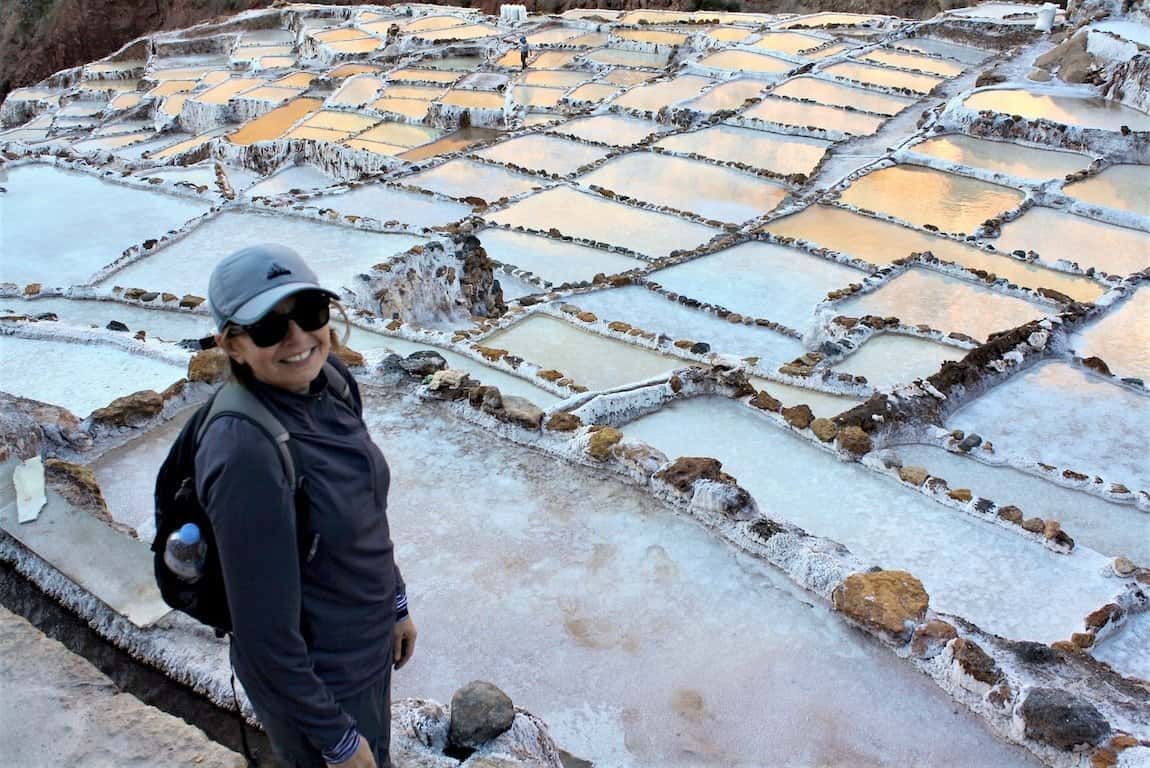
<point>293,363</point>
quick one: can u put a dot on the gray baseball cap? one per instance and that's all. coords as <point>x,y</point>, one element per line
<point>246,285</point>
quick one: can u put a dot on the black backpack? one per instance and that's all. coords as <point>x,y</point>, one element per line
<point>176,502</point>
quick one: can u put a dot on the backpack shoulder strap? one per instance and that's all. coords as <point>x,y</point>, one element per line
<point>236,399</point>
<point>337,382</point>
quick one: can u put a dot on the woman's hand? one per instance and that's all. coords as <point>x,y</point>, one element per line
<point>363,758</point>
<point>405,634</point>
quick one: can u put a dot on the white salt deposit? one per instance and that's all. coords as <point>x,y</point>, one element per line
<point>616,130</point>
<point>554,260</point>
<point>1001,581</point>
<point>1059,415</point>
<point>1057,235</point>
<point>759,149</point>
<point>1126,187</point>
<point>463,178</point>
<point>39,245</point>
<point>386,204</point>
<point>1126,649</point>
<point>760,280</point>
<point>891,359</point>
<point>302,177</point>
<point>539,152</point>
<point>1121,338</point>
<point>337,254</point>
<point>166,325</point>
<point>79,377</point>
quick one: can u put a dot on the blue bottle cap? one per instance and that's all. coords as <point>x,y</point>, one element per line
<point>189,533</point>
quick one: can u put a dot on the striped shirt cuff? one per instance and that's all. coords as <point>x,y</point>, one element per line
<point>401,612</point>
<point>344,750</point>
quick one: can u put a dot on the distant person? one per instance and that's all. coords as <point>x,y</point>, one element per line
<point>524,49</point>
<point>319,612</point>
<point>392,33</point>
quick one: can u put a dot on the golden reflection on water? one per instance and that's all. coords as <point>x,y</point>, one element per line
<point>274,123</point>
<point>461,139</point>
<point>1003,157</point>
<point>1126,187</point>
<point>1088,113</point>
<point>788,42</point>
<point>794,113</point>
<point>745,61</point>
<point>840,95</point>
<point>876,75</point>
<point>1057,235</point>
<point>906,60</point>
<point>925,196</point>
<point>651,36</point>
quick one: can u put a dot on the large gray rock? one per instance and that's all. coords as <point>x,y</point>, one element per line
<point>479,713</point>
<point>423,363</point>
<point>1062,719</point>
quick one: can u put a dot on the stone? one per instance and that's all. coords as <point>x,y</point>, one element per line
<point>601,442</point>
<point>685,470</point>
<point>890,602</point>
<point>587,317</point>
<point>491,353</point>
<point>491,399</point>
<point>174,390</point>
<point>1051,528</point>
<point>1011,514</point>
<point>1034,525</point>
<point>930,638</point>
<point>116,325</point>
<point>619,326</point>
<point>521,412</point>
<point>1123,566</point>
<point>970,442</point>
<point>449,384</point>
<point>31,289</point>
<point>348,356</point>
<point>1059,718</point>
<point>764,402</point>
<point>1104,758</point>
<point>190,301</point>
<point>700,348</point>
<point>130,410</point>
<point>824,429</point>
<point>684,344</point>
<point>799,416</point>
<point>1082,639</point>
<point>916,476</point>
<point>1098,365</point>
<point>210,366</point>
<point>423,363</point>
<point>960,494</point>
<point>975,662</point>
<point>550,374</point>
<point>1123,741</point>
<point>562,421</point>
<point>1103,616</point>
<point>854,440</point>
<point>675,383</point>
<point>479,713</point>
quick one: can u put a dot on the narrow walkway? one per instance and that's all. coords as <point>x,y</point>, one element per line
<point>57,709</point>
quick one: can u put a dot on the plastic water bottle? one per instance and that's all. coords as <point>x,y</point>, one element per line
<point>185,553</point>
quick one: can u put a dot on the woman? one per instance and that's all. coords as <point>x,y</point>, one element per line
<point>316,629</point>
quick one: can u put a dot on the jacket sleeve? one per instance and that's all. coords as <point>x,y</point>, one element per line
<point>242,486</point>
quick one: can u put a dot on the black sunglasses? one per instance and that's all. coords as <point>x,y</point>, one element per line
<point>311,312</point>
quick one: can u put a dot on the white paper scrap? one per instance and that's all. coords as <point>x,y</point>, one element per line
<point>29,480</point>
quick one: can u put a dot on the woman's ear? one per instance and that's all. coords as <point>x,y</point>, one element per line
<point>230,345</point>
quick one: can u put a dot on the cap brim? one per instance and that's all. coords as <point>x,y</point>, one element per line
<point>258,306</point>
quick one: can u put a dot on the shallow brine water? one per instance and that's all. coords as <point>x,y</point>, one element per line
<point>337,254</point>
<point>629,58</point>
<point>579,214</point>
<point>822,404</point>
<point>464,178</point>
<point>881,242</point>
<point>963,53</point>
<point>553,260</point>
<point>883,76</point>
<point>616,130</point>
<point>922,297</point>
<point>595,361</point>
<point>745,61</point>
<point>758,149</point>
<point>539,152</point>
<point>994,577</point>
<point>1121,337</point>
<point>1057,414</point>
<point>39,245</point>
<point>1125,650</point>
<point>1056,235</point>
<point>387,204</point>
<point>923,196</point>
<point>1112,529</point>
<point>760,280</point>
<point>582,584</point>
<point>890,359</point>
<point>656,36</point>
<point>800,115</point>
<point>79,377</point>
<point>534,96</point>
<point>554,78</point>
<point>658,95</point>
<point>275,123</point>
<point>1003,156</point>
<point>788,42</point>
<point>729,95</point>
<point>645,309</point>
<point>692,186</point>
<point>905,60</point>
<point>1126,187</point>
<point>840,95</point>
<point>1084,112</point>
<point>164,325</point>
<point>302,177</point>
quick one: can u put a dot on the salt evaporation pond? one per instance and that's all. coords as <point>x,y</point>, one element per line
<point>923,196</point>
<point>540,152</point>
<point>301,177</point>
<point>1005,157</point>
<point>579,214</point>
<point>338,254</point>
<point>162,324</point>
<point>729,95</point>
<point>836,94</point>
<point>1112,529</point>
<point>1082,112</point>
<point>922,297</point>
<point>387,204</point>
<point>645,309</point>
<point>556,261</point>
<point>775,152</point>
<point>890,359</point>
<point>800,115</point>
<point>881,242</point>
<point>658,95</point>
<point>905,60</point>
<point>1055,235</point>
<point>466,178</point>
<point>1126,187</point>
<point>822,404</point>
<point>963,53</point>
<point>37,244</point>
<point>585,579</point>
<point>594,361</point>
<point>1125,650</point>
<point>1121,338</point>
<point>77,376</point>
<point>686,185</point>
<point>1003,582</point>
<point>616,130</point>
<point>760,280</point>
<point>1059,415</point>
<point>883,76</point>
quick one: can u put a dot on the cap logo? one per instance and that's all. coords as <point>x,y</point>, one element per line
<point>275,270</point>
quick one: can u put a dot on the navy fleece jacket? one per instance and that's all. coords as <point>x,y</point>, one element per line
<point>306,634</point>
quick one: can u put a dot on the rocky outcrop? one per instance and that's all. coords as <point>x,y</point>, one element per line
<point>684,471</point>
<point>479,713</point>
<point>1061,719</point>
<point>25,426</point>
<point>209,366</point>
<point>129,411</point>
<point>601,441</point>
<point>889,602</point>
<point>433,283</point>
